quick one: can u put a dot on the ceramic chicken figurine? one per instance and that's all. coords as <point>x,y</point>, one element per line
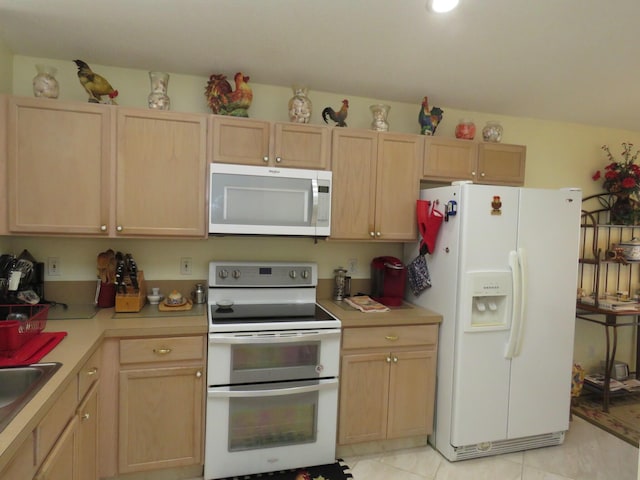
<point>223,100</point>
<point>340,116</point>
<point>95,85</point>
<point>429,119</point>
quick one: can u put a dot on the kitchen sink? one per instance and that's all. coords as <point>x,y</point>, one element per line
<point>18,385</point>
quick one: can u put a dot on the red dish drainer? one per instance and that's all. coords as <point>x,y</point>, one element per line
<point>15,333</point>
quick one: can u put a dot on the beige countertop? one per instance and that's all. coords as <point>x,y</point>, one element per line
<point>407,314</point>
<point>84,335</point>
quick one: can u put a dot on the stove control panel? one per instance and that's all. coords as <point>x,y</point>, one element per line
<point>268,274</point>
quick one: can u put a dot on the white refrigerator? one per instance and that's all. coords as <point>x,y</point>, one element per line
<point>504,274</point>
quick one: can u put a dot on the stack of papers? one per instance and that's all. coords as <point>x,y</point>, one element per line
<point>366,304</point>
<point>611,304</point>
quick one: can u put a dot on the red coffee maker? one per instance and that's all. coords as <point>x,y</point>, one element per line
<point>388,277</point>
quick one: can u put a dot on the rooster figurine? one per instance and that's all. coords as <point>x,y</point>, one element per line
<point>95,85</point>
<point>223,100</point>
<point>340,116</point>
<point>429,119</point>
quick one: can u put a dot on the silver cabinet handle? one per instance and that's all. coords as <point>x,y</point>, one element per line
<point>278,159</point>
<point>265,159</point>
<point>119,228</point>
<point>198,374</point>
<point>103,228</point>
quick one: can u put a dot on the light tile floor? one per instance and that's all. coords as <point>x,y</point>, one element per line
<point>588,453</point>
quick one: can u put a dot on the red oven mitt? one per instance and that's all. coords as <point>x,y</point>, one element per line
<point>429,221</point>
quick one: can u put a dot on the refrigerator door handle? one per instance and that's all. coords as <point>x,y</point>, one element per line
<point>522,260</point>
<point>515,263</point>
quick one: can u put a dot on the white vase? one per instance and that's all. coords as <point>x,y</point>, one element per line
<point>492,132</point>
<point>158,98</point>
<point>300,105</point>
<point>45,83</point>
<point>380,113</point>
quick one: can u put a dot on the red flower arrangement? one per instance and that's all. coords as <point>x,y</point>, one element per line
<point>621,177</point>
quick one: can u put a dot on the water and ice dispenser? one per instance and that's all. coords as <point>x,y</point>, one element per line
<point>491,294</point>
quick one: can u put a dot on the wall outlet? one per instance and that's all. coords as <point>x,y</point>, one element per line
<point>53,266</point>
<point>185,266</point>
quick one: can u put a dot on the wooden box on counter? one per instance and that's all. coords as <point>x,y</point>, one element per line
<point>133,300</point>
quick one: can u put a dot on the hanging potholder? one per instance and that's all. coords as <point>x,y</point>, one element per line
<point>418,275</point>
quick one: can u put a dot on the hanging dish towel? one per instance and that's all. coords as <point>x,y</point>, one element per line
<point>429,222</point>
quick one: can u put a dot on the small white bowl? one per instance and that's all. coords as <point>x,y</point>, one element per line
<point>154,299</point>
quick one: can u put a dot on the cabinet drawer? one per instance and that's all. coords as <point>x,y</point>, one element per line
<point>89,373</point>
<point>54,422</point>
<point>161,349</point>
<point>389,337</point>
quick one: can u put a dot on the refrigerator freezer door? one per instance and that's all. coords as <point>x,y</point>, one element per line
<point>488,233</point>
<point>548,233</point>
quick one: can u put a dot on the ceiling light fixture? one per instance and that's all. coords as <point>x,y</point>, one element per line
<point>441,6</point>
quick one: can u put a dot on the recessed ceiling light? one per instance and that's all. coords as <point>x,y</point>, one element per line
<point>441,6</point>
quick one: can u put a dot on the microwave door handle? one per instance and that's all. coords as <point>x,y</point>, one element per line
<point>275,392</point>
<point>314,195</point>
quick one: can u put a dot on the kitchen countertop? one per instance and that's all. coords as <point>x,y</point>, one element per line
<point>84,336</point>
<point>406,314</point>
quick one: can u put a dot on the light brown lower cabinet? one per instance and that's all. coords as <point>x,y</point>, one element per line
<point>156,397</point>
<point>64,445</point>
<point>387,382</point>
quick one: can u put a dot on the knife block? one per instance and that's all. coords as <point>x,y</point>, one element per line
<point>133,300</point>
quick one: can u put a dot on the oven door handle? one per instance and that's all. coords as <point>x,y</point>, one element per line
<point>280,337</point>
<point>224,392</point>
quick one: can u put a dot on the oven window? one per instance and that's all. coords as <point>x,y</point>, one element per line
<point>272,421</point>
<point>274,361</point>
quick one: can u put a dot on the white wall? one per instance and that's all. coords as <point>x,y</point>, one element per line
<point>558,154</point>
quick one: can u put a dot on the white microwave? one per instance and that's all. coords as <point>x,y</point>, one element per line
<point>269,201</point>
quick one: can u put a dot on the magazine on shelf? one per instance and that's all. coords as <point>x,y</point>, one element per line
<point>613,305</point>
<point>597,380</point>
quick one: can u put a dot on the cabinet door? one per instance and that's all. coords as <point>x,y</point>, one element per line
<point>501,164</point>
<point>22,465</point>
<point>86,454</point>
<point>448,159</point>
<point>302,146</point>
<point>59,464</point>
<point>411,393</point>
<point>58,167</point>
<point>4,221</point>
<point>353,163</point>
<point>161,174</point>
<point>240,140</point>
<point>364,397</point>
<point>161,418</point>
<point>397,186</point>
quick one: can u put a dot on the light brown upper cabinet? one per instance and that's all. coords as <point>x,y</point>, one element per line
<point>161,179</point>
<point>255,142</point>
<point>449,159</point>
<point>375,185</point>
<point>58,167</point>
<point>96,170</point>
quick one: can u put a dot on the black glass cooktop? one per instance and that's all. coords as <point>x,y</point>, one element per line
<point>279,312</point>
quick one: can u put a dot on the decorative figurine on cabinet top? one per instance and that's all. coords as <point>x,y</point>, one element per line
<point>224,101</point>
<point>300,105</point>
<point>340,116</point>
<point>429,119</point>
<point>96,85</point>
